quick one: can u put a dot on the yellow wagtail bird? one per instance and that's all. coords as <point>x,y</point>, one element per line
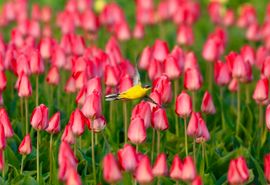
<point>137,91</point>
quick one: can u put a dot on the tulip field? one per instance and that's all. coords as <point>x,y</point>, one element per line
<point>128,92</point>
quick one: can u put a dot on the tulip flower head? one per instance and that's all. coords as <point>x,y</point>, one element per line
<point>143,173</point>
<point>111,170</point>
<point>127,158</point>
<point>208,106</point>
<point>160,167</point>
<point>183,105</point>
<point>39,117</point>
<point>176,168</point>
<point>137,131</point>
<point>267,167</point>
<point>238,171</point>
<point>25,147</point>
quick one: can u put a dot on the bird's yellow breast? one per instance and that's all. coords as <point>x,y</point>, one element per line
<point>134,92</point>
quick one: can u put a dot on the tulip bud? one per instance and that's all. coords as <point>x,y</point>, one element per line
<point>25,147</point>
<point>138,32</point>
<point>3,81</point>
<point>197,181</point>
<point>192,79</point>
<point>159,119</point>
<point>92,105</point>
<point>267,117</point>
<point>70,85</point>
<point>238,171</point>
<point>160,50</point>
<point>176,168</point>
<point>73,177</point>
<point>185,35</point>
<point>266,67</point>
<point>77,122</point>
<point>53,76</point>
<point>24,86</point>
<point>205,135</point>
<point>194,128</point>
<point>160,166</point>
<point>111,76</point>
<point>127,158</point>
<point>189,169</point>
<point>163,85</point>
<point>6,123</point>
<point>210,50</point>
<point>222,73</point>
<point>142,110</point>
<point>239,68</point>
<point>183,105</point>
<point>233,86</point>
<point>143,173</point>
<point>137,131</point>
<point>208,106</point>
<point>39,117</point>
<point>111,171</point>
<point>125,83</point>
<point>2,138</point>
<point>145,58</point>
<point>67,135</point>
<point>36,63</point>
<point>267,167</point>
<point>155,69</point>
<point>98,124</point>
<point>54,124</point>
<point>261,91</point>
<point>172,68</point>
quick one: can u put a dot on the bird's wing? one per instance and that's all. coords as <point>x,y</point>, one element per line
<point>136,78</point>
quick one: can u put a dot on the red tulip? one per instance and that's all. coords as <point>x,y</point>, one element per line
<point>154,69</point>
<point>98,124</point>
<point>228,18</point>
<point>208,106</point>
<point>67,135</point>
<point>127,158</point>
<point>176,168</point>
<point>138,32</point>
<point>143,173</point>
<point>39,117</point>
<point>2,137</point>
<point>53,76</point>
<point>81,96</point>
<point>267,167</point>
<point>3,81</point>
<point>247,16</point>
<point>238,171</point>
<point>25,147</point>
<point>145,57</point>
<point>92,105</point>
<point>266,67</point>
<point>70,86</point>
<point>194,128</point>
<point>211,50</point>
<point>125,83</point>
<point>111,76</point>
<point>59,58</point>
<point>36,63</point>
<point>248,54</point>
<point>189,169</point>
<point>261,54</point>
<point>21,65</point>
<point>6,123</point>
<point>24,86</point>
<point>155,96</point>
<point>80,79</point>
<point>267,117</point>
<point>77,122</point>
<point>162,85</point>
<point>46,48</point>
<point>160,167</point>
<point>160,50</point>
<point>239,68</point>
<point>73,177</point>
<point>54,124</point>
<point>137,131</point>
<point>233,86</point>
<point>222,73</point>
<point>205,135</point>
<point>142,110</point>
<point>111,171</point>
<point>192,79</point>
<point>159,119</point>
<point>261,91</point>
<point>197,181</point>
<point>183,105</point>
<point>122,31</point>
<point>185,35</point>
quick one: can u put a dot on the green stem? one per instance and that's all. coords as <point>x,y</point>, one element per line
<point>158,141</point>
<point>203,158</point>
<point>38,142</point>
<point>247,93</point>
<point>26,116</point>
<point>260,116</point>
<point>51,158</point>
<point>125,120</point>
<point>137,148</point>
<point>75,146</point>
<point>153,145</point>
<point>210,77</point>
<point>194,150</point>
<point>3,171</point>
<point>37,90</point>
<point>22,113</point>
<point>93,157</point>
<point>238,110</point>
<point>186,143</point>
<point>80,142</point>
<point>23,157</point>
<point>175,115</point>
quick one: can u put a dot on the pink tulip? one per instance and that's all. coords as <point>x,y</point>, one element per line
<point>53,76</point>
<point>59,58</point>
<point>111,76</point>
<point>238,171</point>
<point>3,81</point>
<point>127,158</point>
<point>73,177</point>
<point>194,128</point>
<point>160,50</point>
<point>222,73</point>
<point>24,86</point>
<point>111,170</point>
<point>185,35</point>
<point>138,31</point>
<point>159,119</point>
<point>6,123</point>
<point>267,167</point>
<point>233,86</point>
<point>266,67</point>
<point>46,48</point>
<point>239,68</point>
<point>192,79</point>
<point>145,58</point>
<point>261,91</point>
<point>36,63</point>
<point>267,117</point>
<point>248,54</point>
<point>77,122</point>
<point>54,124</point>
<point>176,168</point>
<point>143,173</point>
<point>261,54</point>
<point>25,147</point>
<point>155,69</point>
<point>208,106</point>
<point>205,135</point>
<point>197,181</point>
<point>94,84</point>
<point>70,86</point>
<point>122,31</point>
<point>189,169</point>
<point>247,16</point>
<point>39,117</point>
<point>155,96</point>
<point>125,83</point>
<point>183,105</point>
<point>211,50</point>
<point>228,18</point>
<point>142,110</point>
<point>98,124</point>
<point>67,135</point>
<point>2,138</point>
<point>160,167</point>
<point>137,131</point>
<point>92,105</point>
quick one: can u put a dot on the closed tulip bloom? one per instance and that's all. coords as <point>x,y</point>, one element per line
<point>160,50</point>
<point>189,169</point>
<point>36,63</point>
<point>192,79</point>
<point>92,105</point>
<point>111,76</point>
<point>24,86</point>
<point>248,54</point>
<point>127,158</point>
<point>81,96</point>
<point>233,86</point>
<point>77,122</point>
<point>156,97</point>
<point>267,167</point>
<point>145,58</point>
<point>73,177</point>
<point>70,86</point>
<point>239,68</point>
<point>3,81</point>
<point>137,131</point>
<point>185,35</point>
<point>267,117</point>
<point>205,135</point>
<point>80,79</point>
<point>160,167</point>
<point>210,50</point>
<point>67,135</point>
<point>183,105</point>
<point>208,106</point>
<point>39,117</point>
<point>143,173</point>
<point>261,91</point>
<point>261,54</point>
<point>266,67</point>
<point>222,73</point>
<point>125,83</point>
<point>6,123</point>
<point>122,31</point>
<point>238,171</point>
<point>53,76</point>
<point>197,181</point>
<point>163,85</point>
<point>142,110</point>
<point>172,68</point>
<point>111,170</point>
<point>155,69</point>
<point>138,31</point>
<point>46,48</point>
<point>54,124</point>
<point>159,119</point>
<point>98,124</point>
<point>94,84</point>
<point>2,138</point>
<point>190,61</point>
<point>176,168</point>
<point>194,128</point>
<point>25,147</point>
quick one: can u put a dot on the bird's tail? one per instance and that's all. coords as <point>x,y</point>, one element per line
<point>112,97</point>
